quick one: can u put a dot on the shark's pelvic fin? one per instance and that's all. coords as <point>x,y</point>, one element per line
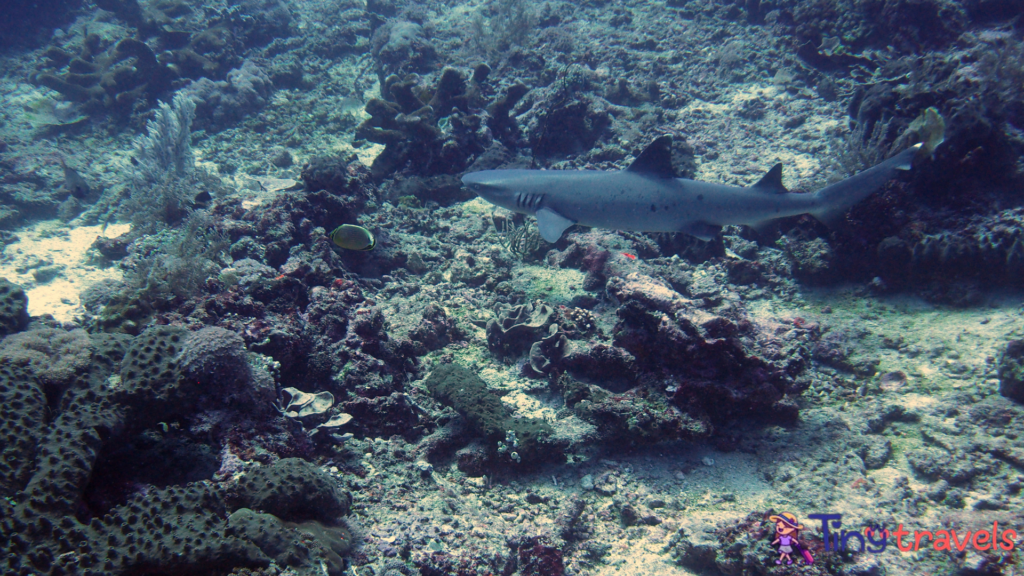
<point>771,182</point>
<point>656,159</point>
<point>551,224</point>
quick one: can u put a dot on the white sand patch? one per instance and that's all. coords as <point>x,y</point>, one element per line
<point>754,92</point>
<point>52,243</point>
<point>480,206</point>
<point>700,107</point>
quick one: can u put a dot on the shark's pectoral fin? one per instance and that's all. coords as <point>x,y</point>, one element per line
<point>551,224</point>
<point>702,230</point>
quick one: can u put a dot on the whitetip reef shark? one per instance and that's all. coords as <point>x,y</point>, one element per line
<point>647,197</point>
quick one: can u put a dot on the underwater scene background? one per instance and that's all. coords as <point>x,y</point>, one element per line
<point>253,323</point>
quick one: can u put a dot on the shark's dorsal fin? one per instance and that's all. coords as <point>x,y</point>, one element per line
<point>656,159</point>
<point>551,224</point>
<point>771,182</point>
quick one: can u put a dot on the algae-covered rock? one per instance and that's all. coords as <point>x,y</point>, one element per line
<point>487,415</point>
<point>13,307</point>
<point>1011,371</point>
<point>467,393</point>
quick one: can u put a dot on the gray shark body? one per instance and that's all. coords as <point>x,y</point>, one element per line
<point>646,197</point>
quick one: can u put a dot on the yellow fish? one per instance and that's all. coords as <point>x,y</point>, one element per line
<point>352,237</point>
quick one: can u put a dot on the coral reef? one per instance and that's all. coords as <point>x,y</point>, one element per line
<point>547,351</point>
<point>433,130</point>
<point>171,43</point>
<point>223,102</point>
<point>57,464</point>
<point>20,428</point>
<point>166,164</point>
<point>718,378</point>
<point>113,76</point>
<point>400,47</point>
<point>294,490</point>
<point>519,328</point>
<point>216,357</point>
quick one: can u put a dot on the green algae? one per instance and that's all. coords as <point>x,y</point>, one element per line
<point>556,286</point>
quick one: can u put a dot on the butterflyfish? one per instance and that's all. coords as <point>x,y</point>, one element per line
<point>352,237</point>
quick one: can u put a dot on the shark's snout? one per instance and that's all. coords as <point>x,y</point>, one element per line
<point>476,181</point>
<point>471,178</point>
<point>483,185</point>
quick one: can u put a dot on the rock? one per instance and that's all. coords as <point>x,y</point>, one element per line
<point>112,249</point>
<point>937,492</point>
<point>1011,371</point>
<point>569,515</point>
<point>473,459</point>
<point>13,307</point>
<point>876,452</point>
<point>629,515</point>
<point>281,157</point>
<point>606,484</point>
<point>214,356</point>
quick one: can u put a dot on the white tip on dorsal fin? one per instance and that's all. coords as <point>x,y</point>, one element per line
<point>551,224</point>
<point>771,182</point>
<point>656,159</point>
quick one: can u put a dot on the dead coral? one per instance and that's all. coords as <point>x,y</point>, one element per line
<point>428,127</point>
<point>118,76</point>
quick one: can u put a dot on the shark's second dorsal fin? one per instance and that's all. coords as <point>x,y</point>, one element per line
<point>771,182</point>
<point>656,159</point>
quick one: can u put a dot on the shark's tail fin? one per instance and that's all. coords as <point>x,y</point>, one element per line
<point>833,201</point>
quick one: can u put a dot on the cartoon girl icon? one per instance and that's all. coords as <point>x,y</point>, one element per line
<point>787,532</point>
